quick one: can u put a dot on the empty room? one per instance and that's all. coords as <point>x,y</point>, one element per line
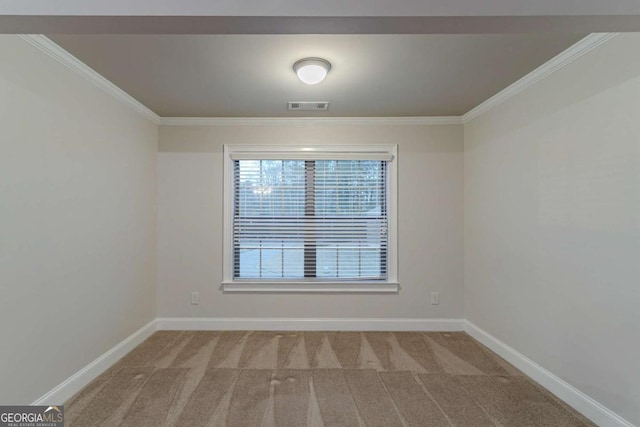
<point>296,213</point>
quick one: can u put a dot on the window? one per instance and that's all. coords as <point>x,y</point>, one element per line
<point>310,218</point>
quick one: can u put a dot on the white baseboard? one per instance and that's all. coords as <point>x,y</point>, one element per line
<point>84,376</point>
<point>582,403</point>
<point>593,410</point>
<point>306,324</point>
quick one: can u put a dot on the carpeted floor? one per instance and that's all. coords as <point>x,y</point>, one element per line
<point>244,378</point>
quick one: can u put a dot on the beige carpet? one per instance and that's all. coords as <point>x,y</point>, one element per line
<point>244,378</point>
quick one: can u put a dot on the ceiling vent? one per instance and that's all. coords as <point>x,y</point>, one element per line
<point>308,106</point>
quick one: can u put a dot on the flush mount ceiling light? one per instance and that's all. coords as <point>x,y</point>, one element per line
<point>312,70</point>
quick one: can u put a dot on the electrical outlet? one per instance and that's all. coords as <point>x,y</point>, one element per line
<point>435,298</point>
<point>195,298</point>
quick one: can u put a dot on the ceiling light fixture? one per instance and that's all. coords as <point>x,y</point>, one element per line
<point>312,70</point>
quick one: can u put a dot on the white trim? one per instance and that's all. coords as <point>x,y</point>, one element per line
<point>386,152</point>
<point>306,287</point>
<point>65,390</point>
<point>284,121</point>
<point>307,324</point>
<point>582,403</point>
<point>74,64</point>
<point>392,232</point>
<point>569,55</point>
<point>590,408</point>
<point>52,49</point>
<point>554,64</point>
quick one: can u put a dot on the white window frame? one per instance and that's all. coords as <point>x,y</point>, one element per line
<point>311,152</point>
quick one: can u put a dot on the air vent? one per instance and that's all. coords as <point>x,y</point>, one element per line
<point>308,106</point>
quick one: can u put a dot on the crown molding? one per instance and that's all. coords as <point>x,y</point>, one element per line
<point>74,64</point>
<point>554,64</point>
<point>239,121</point>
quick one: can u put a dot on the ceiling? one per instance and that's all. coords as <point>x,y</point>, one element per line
<point>390,57</point>
<point>242,75</point>
<point>316,8</point>
<point>317,17</point>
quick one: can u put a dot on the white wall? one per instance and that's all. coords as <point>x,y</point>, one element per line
<point>430,223</point>
<point>552,224</point>
<point>77,222</point>
<point>549,253</point>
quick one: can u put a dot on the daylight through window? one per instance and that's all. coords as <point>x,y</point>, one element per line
<point>301,219</point>
<point>318,218</point>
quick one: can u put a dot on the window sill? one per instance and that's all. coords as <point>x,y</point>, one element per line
<point>306,287</point>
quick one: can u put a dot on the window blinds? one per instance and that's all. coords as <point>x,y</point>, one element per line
<point>314,219</point>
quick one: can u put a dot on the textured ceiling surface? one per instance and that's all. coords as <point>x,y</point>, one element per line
<point>371,75</point>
